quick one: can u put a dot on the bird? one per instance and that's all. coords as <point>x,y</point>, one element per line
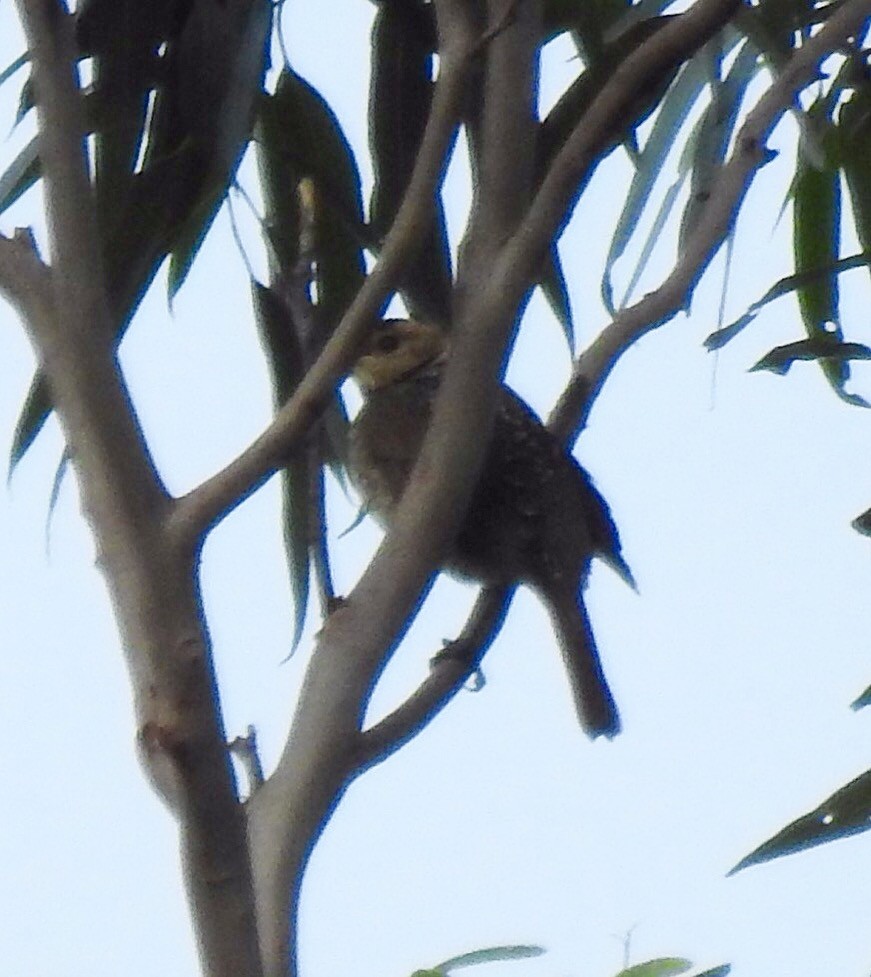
<point>535,516</point>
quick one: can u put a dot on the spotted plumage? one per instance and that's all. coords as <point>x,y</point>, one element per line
<point>534,518</point>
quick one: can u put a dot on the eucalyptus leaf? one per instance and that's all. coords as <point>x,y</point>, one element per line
<point>14,66</point>
<point>846,812</point>
<point>783,287</point>
<point>864,699</point>
<point>20,175</point>
<point>676,106</point>
<point>493,954</point>
<point>781,358</point>
<point>660,967</point>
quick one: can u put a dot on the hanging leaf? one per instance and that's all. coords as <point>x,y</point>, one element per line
<point>854,124</point>
<point>783,287</point>
<point>299,137</point>
<point>34,413</point>
<point>10,69</point>
<point>553,286</point>
<point>20,175</point>
<point>565,115</point>
<point>189,234</point>
<point>56,485</point>
<point>213,66</point>
<point>288,367</point>
<point>219,68</point>
<point>714,134</point>
<point>847,812</point>
<point>816,244</point>
<point>403,40</point>
<point>820,348</point>
<point>676,106</point>
<point>25,101</point>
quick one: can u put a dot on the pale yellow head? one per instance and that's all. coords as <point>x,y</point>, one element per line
<point>396,349</point>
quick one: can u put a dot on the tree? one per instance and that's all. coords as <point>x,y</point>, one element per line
<point>107,242</point>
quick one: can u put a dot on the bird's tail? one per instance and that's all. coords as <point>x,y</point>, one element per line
<point>595,705</point>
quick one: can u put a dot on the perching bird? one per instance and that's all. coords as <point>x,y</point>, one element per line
<point>535,516</point>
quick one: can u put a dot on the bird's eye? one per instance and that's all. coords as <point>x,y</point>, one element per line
<point>387,343</point>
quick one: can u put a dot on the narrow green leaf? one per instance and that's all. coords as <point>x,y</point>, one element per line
<point>10,69</point>
<point>865,698</point>
<point>57,483</point>
<point>714,134</point>
<point>493,954</point>
<point>287,367</point>
<point>221,111</point>
<point>783,287</point>
<point>661,967</point>
<point>722,971</point>
<point>553,286</point>
<point>34,414</point>
<point>816,244</point>
<point>188,235</point>
<point>299,136</point>
<point>403,43</point>
<point>854,124</point>
<point>846,812</point>
<point>20,175</point>
<point>25,101</point>
<point>656,229</point>
<point>676,106</point>
<point>781,358</point>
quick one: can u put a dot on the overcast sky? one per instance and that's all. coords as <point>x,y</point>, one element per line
<point>733,667</point>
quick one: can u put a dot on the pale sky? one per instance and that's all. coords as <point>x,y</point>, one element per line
<point>733,667</point>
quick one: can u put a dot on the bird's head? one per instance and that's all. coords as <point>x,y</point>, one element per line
<point>398,348</point>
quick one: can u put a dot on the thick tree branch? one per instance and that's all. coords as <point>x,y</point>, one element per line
<point>720,213</point>
<point>153,585</point>
<point>322,751</point>
<point>504,124</point>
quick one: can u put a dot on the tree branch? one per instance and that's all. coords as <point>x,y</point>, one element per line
<point>451,669</point>
<point>322,752</point>
<point>729,189</point>
<point>152,584</point>
<point>504,147</point>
